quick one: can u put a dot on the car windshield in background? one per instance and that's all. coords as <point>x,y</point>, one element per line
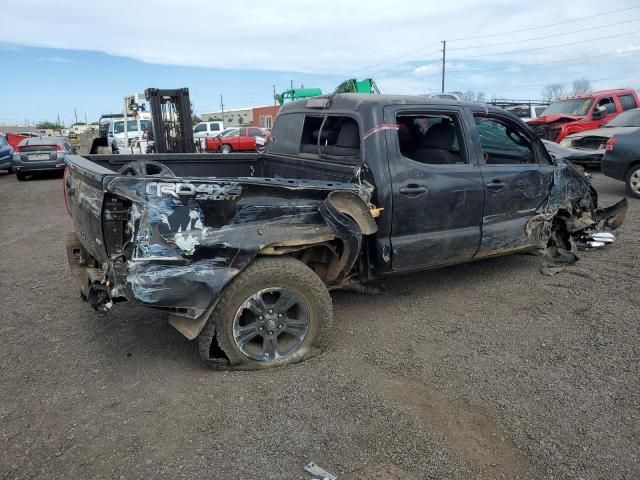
<point>132,126</point>
<point>630,118</point>
<point>229,132</point>
<point>575,106</point>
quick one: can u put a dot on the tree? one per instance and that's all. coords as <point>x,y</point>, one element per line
<point>552,92</point>
<point>195,119</point>
<point>581,86</point>
<point>46,125</point>
<point>471,96</point>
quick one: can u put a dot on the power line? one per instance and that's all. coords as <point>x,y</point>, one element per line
<point>539,27</point>
<point>545,26</point>
<point>570,60</point>
<point>395,59</point>
<point>548,46</point>
<point>544,37</point>
<point>594,80</point>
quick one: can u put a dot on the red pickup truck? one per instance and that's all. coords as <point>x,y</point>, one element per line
<point>240,139</point>
<point>583,112</point>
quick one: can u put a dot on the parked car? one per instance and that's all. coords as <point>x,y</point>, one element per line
<point>584,112</point>
<point>595,141</point>
<point>622,160</point>
<point>6,154</point>
<point>39,154</point>
<point>240,139</point>
<point>525,110</point>
<point>584,158</point>
<point>241,252</point>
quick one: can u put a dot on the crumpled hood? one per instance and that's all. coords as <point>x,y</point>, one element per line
<point>554,118</point>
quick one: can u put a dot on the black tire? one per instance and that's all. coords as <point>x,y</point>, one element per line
<point>21,176</point>
<point>225,149</point>
<point>265,274</point>
<point>10,170</point>
<point>632,181</point>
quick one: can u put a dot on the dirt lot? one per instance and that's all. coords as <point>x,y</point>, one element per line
<point>488,370</point>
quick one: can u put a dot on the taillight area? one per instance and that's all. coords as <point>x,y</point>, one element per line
<point>16,150</point>
<point>64,190</point>
<point>59,148</point>
<point>610,143</point>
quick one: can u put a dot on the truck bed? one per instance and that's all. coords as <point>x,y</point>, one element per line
<point>174,242</point>
<point>238,165</point>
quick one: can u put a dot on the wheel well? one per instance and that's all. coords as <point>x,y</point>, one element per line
<point>632,165</point>
<point>323,258</point>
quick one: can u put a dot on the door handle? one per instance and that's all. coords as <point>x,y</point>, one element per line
<point>496,185</point>
<point>413,189</point>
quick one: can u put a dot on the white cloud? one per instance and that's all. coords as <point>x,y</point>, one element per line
<point>289,35</point>
<point>433,68</point>
<point>55,60</point>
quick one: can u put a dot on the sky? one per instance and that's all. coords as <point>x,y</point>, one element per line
<point>59,56</point>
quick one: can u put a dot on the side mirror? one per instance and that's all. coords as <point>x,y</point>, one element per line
<point>599,112</point>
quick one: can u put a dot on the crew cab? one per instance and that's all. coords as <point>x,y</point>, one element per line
<point>238,139</point>
<point>241,250</point>
<point>208,129</point>
<point>583,112</point>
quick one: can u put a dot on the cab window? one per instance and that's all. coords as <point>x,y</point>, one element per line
<point>433,139</point>
<point>503,143</point>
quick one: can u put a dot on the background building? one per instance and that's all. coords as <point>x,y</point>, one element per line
<point>244,117</point>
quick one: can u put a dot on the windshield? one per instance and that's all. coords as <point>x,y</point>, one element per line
<point>574,106</point>
<point>630,118</point>
<point>132,125</point>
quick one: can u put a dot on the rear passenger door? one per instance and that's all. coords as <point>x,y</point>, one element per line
<point>517,175</point>
<point>438,194</point>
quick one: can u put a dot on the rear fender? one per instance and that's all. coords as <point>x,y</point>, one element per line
<point>183,250</point>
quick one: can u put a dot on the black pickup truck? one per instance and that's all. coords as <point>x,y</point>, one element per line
<point>241,250</point>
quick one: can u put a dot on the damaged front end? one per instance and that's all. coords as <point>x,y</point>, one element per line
<point>570,220</point>
<point>175,244</point>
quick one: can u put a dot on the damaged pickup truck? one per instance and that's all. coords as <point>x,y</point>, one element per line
<point>241,250</point>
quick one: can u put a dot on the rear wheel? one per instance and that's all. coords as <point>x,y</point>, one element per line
<point>633,181</point>
<point>272,314</point>
<point>21,176</point>
<point>225,149</point>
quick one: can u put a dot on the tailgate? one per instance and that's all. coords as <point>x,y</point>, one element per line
<point>84,197</point>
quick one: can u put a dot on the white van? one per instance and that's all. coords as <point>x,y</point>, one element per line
<point>207,129</point>
<point>135,135</point>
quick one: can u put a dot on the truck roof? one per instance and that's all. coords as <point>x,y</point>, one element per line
<point>356,101</point>
<point>598,93</point>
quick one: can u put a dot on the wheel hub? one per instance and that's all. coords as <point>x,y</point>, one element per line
<point>271,324</point>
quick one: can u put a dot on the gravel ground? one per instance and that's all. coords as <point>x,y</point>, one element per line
<point>486,370</point>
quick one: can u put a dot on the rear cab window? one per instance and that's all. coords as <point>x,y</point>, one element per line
<point>317,135</point>
<point>627,102</point>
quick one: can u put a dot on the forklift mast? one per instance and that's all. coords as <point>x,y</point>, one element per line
<point>171,120</point>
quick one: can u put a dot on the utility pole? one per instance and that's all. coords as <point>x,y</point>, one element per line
<point>444,56</point>
<point>275,98</point>
<point>291,84</point>
<point>85,119</point>
<point>75,113</point>
<point>222,108</point>
<point>58,119</point>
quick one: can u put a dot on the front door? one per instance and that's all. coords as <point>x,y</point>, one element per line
<point>438,194</point>
<point>518,177</point>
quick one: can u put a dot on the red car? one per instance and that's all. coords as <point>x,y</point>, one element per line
<point>583,112</point>
<point>239,139</point>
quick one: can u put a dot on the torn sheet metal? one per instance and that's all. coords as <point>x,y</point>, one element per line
<point>186,241</point>
<point>569,214</point>
<point>319,472</point>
